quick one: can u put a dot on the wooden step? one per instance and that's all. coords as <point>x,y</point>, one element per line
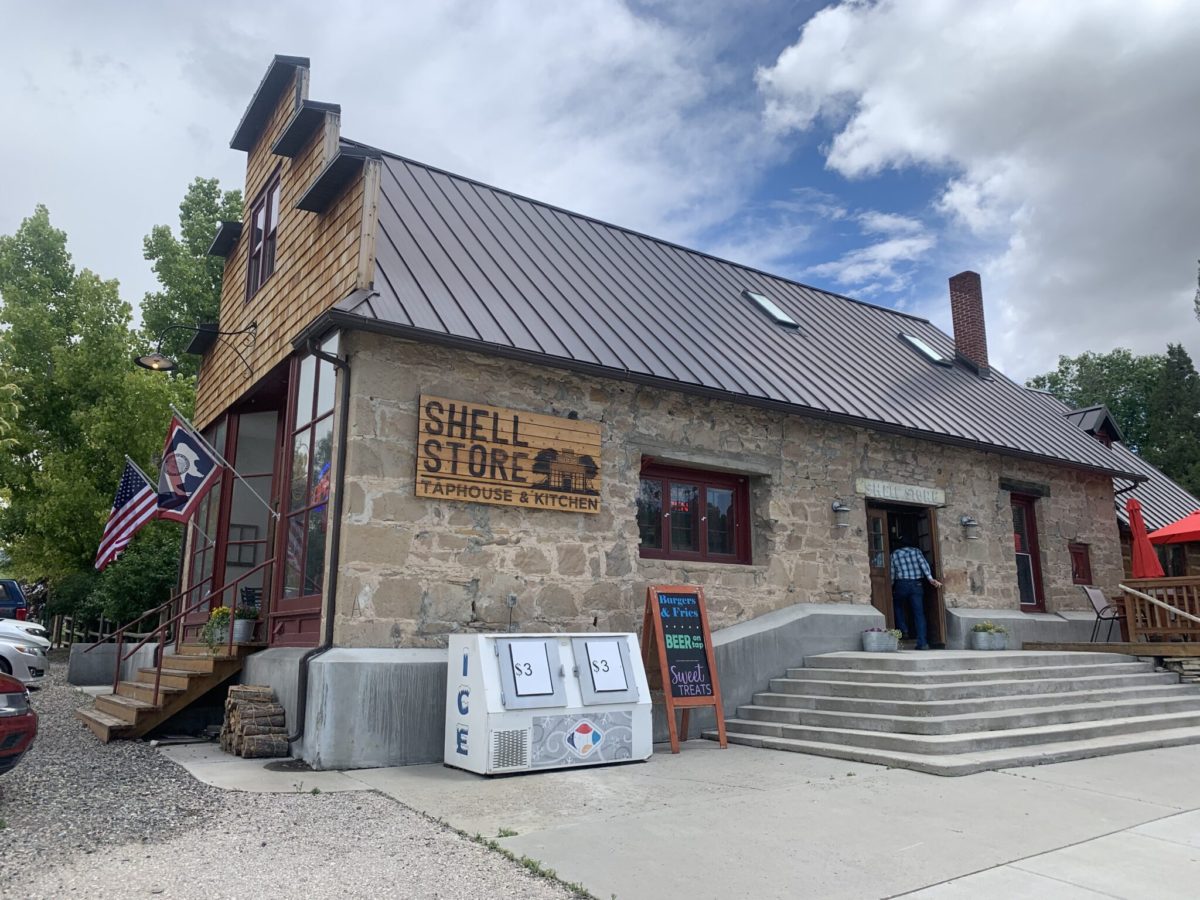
<point>193,650</point>
<point>201,664</point>
<point>139,690</point>
<point>176,678</point>
<point>102,725</point>
<point>125,708</point>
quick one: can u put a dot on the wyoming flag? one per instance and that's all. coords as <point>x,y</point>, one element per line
<point>188,470</point>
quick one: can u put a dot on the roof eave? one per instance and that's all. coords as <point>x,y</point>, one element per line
<point>337,318</point>
<point>254,119</point>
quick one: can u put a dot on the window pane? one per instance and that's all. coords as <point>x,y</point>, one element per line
<point>260,225</point>
<point>255,452</point>
<point>1025,579</point>
<point>268,257</point>
<point>325,386</point>
<point>322,454</point>
<point>650,513</point>
<point>1020,534</point>
<point>294,556</point>
<point>720,514</point>
<point>300,454</point>
<point>304,391</point>
<point>314,553</point>
<point>273,220</point>
<point>685,517</point>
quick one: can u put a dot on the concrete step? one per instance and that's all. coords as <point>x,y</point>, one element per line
<point>965,690</point>
<point>176,678</point>
<point>963,723</point>
<point>949,676</point>
<point>916,708</point>
<point>127,709</point>
<point>980,741</point>
<point>928,660</point>
<point>970,763</point>
<point>140,690</point>
<point>101,724</point>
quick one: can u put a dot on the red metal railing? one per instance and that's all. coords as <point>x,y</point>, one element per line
<point>177,618</point>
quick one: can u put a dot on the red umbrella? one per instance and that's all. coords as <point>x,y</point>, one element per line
<point>1145,560</point>
<point>1184,531</point>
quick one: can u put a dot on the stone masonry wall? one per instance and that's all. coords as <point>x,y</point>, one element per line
<point>414,569</point>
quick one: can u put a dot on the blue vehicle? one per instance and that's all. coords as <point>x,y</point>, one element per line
<point>12,600</point>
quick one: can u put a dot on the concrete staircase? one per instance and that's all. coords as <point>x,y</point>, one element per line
<point>956,712</point>
<point>186,676</point>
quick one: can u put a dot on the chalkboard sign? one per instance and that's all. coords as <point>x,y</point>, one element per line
<point>675,629</point>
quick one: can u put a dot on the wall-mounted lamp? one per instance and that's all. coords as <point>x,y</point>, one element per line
<point>841,513</point>
<point>970,526</point>
<point>159,362</point>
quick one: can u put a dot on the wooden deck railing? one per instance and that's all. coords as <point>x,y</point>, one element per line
<point>1163,609</point>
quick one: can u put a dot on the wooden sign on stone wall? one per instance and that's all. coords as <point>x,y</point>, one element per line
<point>487,454</point>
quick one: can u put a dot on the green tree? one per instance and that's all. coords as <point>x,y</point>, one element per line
<point>1119,380</point>
<point>190,278</point>
<point>143,578</point>
<point>1173,411</point>
<point>79,405</point>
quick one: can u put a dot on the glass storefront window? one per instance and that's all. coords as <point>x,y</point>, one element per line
<point>706,515</point>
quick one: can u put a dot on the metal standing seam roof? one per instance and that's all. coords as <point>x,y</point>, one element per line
<point>1163,500</point>
<point>463,263</point>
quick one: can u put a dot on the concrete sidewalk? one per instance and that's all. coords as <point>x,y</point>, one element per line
<point>756,823</point>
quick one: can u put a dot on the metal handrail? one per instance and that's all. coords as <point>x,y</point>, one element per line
<point>207,598</point>
<point>1164,604</point>
<point>119,633</point>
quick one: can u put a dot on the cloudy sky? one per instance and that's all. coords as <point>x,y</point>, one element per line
<point>873,149</point>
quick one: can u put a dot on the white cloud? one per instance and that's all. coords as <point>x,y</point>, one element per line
<point>875,222</point>
<point>588,105</point>
<point>878,266</point>
<point>1066,136</point>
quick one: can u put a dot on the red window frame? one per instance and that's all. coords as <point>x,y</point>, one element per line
<point>1081,563</point>
<point>1027,505</point>
<point>263,222</point>
<point>705,480</point>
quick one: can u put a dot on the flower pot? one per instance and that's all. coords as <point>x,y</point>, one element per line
<point>243,631</point>
<point>879,642</point>
<point>981,640</point>
<point>999,641</point>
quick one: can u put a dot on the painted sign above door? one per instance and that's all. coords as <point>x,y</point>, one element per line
<point>900,493</point>
<point>487,454</point>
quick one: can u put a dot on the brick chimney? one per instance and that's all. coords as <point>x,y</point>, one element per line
<point>966,309</point>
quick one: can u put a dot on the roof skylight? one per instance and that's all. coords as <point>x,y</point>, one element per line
<point>925,350</point>
<point>767,305</point>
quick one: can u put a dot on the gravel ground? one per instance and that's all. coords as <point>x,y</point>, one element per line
<point>120,820</point>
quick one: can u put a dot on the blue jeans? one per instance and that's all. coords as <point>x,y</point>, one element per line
<point>908,596</point>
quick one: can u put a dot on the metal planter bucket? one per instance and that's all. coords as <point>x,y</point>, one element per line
<point>243,631</point>
<point>981,640</point>
<point>879,642</point>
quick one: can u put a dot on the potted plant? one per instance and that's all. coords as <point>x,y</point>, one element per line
<point>245,618</point>
<point>881,640</point>
<point>989,636</point>
<point>216,629</point>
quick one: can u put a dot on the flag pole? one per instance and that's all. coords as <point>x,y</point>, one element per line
<point>221,459</point>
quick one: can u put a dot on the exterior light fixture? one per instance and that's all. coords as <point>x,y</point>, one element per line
<point>970,526</point>
<point>160,362</point>
<point>841,513</point>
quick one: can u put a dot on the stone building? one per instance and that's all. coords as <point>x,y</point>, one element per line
<point>474,411</point>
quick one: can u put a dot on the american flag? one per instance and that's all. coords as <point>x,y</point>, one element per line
<point>135,505</point>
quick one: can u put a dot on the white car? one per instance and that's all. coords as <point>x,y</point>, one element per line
<point>25,661</point>
<point>20,631</point>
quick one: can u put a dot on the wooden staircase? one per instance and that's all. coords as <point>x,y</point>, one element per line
<point>188,674</point>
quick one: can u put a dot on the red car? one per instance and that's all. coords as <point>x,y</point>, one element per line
<point>18,722</point>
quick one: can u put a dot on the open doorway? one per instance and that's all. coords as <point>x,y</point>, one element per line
<point>887,525</point>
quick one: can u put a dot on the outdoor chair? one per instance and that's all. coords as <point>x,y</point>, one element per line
<point>1105,611</point>
<point>252,597</point>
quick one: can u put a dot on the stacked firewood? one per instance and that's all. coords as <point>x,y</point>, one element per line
<point>254,723</point>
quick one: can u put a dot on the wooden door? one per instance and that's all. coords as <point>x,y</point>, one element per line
<point>878,553</point>
<point>935,613</point>
<point>1028,554</point>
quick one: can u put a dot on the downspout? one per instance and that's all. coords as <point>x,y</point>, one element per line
<point>329,601</point>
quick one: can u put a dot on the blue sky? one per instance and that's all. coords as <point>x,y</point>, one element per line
<point>872,149</point>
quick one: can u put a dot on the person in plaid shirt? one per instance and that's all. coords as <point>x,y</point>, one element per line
<point>910,571</point>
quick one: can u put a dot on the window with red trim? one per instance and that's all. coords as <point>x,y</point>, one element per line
<point>306,501</point>
<point>693,514</point>
<point>1081,563</point>
<point>264,219</point>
